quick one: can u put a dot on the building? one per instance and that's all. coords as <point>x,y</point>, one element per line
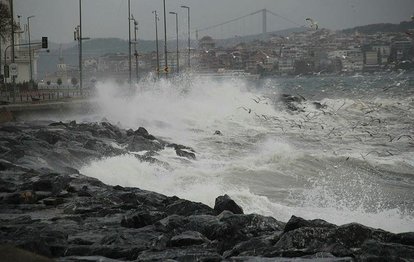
<point>26,64</point>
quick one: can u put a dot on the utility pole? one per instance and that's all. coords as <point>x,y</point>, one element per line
<point>80,48</point>
<point>176,29</point>
<point>13,52</point>
<point>165,42</point>
<point>12,28</point>
<point>189,38</point>
<point>30,49</point>
<point>156,41</point>
<point>129,43</point>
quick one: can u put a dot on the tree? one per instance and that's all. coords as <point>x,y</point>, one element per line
<point>74,81</point>
<point>5,26</point>
<point>59,81</point>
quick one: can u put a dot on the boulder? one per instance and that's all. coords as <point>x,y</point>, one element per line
<point>188,238</point>
<point>226,203</point>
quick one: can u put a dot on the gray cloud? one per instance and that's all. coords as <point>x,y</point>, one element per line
<point>108,18</point>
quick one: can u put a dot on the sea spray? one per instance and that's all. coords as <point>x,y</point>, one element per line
<point>271,160</point>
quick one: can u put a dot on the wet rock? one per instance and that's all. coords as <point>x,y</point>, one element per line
<point>70,217</point>
<point>144,133</point>
<point>403,238</point>
<point>139,143</point>
<point>292,102</point>
<point>188,238</point>
<point>183,151</point>
<point>226,203</point>
<point>218,133</point>
<point>187,208</point>
<point>298,222</point>
<point>181,254</point>
<point>318,105</point>
<point>373,250</point>
<point>142,218</point>
<point>53,201</point>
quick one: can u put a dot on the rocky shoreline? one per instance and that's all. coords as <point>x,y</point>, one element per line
<point>49,209</point>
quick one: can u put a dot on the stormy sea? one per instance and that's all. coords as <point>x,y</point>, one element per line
<point>196,168</point>
<point>339,148</point>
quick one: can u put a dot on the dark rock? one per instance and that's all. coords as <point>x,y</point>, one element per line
<point>184,153</point>
<point>52,201</point>
<point>142,218</point>
<point>144,133</point>
<point>42,185</point>
<point>60,123</point>
<point>218,133</point>
<point>188,238</point>
<point>403,238</point>
<point>292,98</point>
<point>226,203</point>
<point>44,199</point>
<point>298,222</point>
<point>10,129</point>
<point>373,250</point>
<point>187,208</point>
<point>181,254</point>
<point>352,235</point>
<point>171,223</point>
<point>141,132</point>
<point>252,247</point>
<point>302,241</point>
<point>318,105</point>
<point>49,136</point>
<point>140,143</point>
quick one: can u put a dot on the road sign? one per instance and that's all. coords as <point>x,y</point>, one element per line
<point>166,69</point>
<point>14,69</point>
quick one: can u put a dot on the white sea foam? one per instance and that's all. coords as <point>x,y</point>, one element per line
<point>251,149</point>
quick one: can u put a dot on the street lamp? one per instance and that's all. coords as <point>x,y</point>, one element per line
<point>156,41</point>
<point>135,46</point>
<point>189,44</point>
<point>129,43</point>
<point>80,47</point>
<point>30,48</point>
<point>165,42</point>
<point>176,27</point>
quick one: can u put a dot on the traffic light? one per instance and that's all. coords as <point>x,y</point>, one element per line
<point>6,71</point>
<point>44,42</point>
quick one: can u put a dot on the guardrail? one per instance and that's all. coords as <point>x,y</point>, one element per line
<point>40,96</point>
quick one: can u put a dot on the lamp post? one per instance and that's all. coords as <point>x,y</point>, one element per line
<point>135,47</point>
<point>176,29</point>
<point>165,42</point>
<point>129,43</point>
<point>189,39</point>
<point>30,48</point>
<point>80,47</point>
<point>156,42</point>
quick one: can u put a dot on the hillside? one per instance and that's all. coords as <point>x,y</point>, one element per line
<point>382,28</point>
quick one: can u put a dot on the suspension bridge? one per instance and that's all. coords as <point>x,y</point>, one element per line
<point>264,22</point>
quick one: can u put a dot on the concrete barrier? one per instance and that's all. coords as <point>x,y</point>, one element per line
<point>5,115</point>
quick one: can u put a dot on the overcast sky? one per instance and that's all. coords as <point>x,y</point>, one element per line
<point>108,18</point>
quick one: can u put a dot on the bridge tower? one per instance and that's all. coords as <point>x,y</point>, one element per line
<point>264,25</point>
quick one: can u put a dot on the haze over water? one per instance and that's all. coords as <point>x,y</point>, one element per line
<point>349,161</point>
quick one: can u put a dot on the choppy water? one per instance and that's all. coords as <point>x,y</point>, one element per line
<point>351,161</point>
